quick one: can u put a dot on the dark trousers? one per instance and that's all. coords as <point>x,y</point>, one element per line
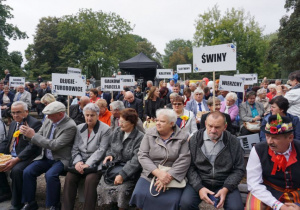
<point>39,108</point>
<point>190,199</point>
<point>90,190</point>
<point>52,170</point>
<point>245,132</point>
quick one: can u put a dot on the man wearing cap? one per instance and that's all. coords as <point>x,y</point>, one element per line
<point>273,168</point>
<point>56,137</point>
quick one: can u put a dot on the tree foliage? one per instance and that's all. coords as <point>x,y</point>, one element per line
<point>233,27</point>
<point>11,61</point>
<point>94,41</point>
<point>286,48</point>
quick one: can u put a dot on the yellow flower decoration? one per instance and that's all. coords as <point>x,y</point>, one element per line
<point>184,117</point>
<point>268,126</point>
<point>16,134</point>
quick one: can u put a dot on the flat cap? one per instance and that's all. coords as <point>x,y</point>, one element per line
<point>54,107</point>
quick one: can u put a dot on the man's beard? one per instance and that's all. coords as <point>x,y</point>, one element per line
<point>213,136</point>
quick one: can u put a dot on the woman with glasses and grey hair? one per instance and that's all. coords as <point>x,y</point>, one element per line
<point>165,145</point>
<point>90,145</point>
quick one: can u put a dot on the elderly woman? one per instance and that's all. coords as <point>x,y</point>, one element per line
<point>105,114</point>
<point>172,96</point>
<point>124,146</point>
<point>6,99</point>
<point>93,95</point>
<point>229,106</point>
<point>165,145</point>
<point>261,98</point>
<point>250,111</point>
<point>272,89</point>
<point>91,143</point>
<point>280,105</point>
<point>153,103</point>
<point>185,118</point>
<point>210,104</point>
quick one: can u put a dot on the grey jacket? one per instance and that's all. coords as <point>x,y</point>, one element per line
<point>91,150</point>
<point>25,97</point>
<point>228,169</point>
<point>62,142</point>
<point>153,152</point>
<point>125,151</point>
<point>246,114</point>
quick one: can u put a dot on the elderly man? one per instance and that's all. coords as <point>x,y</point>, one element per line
<point>116,107</point>
<point>217,167</point>
<point>76,110</point>
<point>197,105</point>
<point>149,85</point>
<point>22,151</point>
<point>273,167</point>
<point>56,137</point>
<point>23,95</point>
<point>131,102</point>
<point>41,92</point>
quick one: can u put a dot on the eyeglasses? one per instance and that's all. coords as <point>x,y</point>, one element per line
<point>123,122</point>
<point>177,104</point>
<point>16,113</point>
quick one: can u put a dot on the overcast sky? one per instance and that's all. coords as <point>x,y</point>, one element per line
<point>157,20</point>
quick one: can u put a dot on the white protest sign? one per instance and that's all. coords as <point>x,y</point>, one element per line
<point>73,70</point>
<point>214,58</point>
<point>128,80</point>
<point>68,84</point>
<point>249,79</point>
<point>16,81</point>
<point>184,68</point>
<point>231,83</point>
<point>111,84</point>
<point>164,73</point>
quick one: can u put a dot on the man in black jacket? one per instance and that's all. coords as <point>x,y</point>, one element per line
<point>76,110</point>
<point>217,166</point>
<point>41,92</point>
<point>22,151</point>
<point>135,103</point>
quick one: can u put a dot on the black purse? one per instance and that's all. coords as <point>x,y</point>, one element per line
<point>110,170</point>
<point>86,171</point>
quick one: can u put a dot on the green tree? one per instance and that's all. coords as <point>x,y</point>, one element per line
<point>286,48</point>
<point>233,27</point>
<point>177,48</point>
<point>8,31</point>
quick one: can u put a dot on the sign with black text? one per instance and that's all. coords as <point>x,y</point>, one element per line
<point>184,68</point>
<point>111,84</point>
<point>249,79</point>
<point>73,70</point>
<point>16,81</point>
<point>164,73</point>
<point>128,80</point>
<point>68,84</point>
<point>214,58</point>
<point>231,83</point>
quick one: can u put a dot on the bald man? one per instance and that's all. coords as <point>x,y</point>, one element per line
<point>76,112</point>
<point>131,102</point>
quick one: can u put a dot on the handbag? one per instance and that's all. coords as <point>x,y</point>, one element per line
<point>172,184</point>
<point>86,171</point>
<point>110,170</point>
<point>253,127</point>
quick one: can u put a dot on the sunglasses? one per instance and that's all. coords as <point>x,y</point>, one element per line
<point>177,104</point>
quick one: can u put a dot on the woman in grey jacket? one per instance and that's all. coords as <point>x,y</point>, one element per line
<point>123,150</point>
<point>167,145</point>
<point>91,143</point>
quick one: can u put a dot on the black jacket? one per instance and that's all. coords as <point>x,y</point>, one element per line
<point>228,169</point>
<point>76,115</point>
<point>10,95</point>
<point>148,107</point>
<point>25,150</point>
<point>137,104</point>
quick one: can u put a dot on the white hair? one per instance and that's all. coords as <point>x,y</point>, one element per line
<point>193,84</point>
<point>261,91</point>
<point>91,107</point>
<point>119,105</point>
<point>17,103</point>
<point>170,113</point>
<point>231,95</point>
<point>150,82</point>
<point>271,86</point>
<point>198,90</point>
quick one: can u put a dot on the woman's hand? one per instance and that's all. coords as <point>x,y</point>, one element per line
<point>78,167</point>
<point>118,180</point>
<point>164,177</point>
<point>108,158</point>
<point>159,186</point>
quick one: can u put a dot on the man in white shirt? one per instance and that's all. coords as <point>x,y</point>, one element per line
<point>273,168</point>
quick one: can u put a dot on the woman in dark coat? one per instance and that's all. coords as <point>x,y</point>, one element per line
<point>124,147</point>
<point>33,92</point>
<point>6,99</point>
<point>153,103</point>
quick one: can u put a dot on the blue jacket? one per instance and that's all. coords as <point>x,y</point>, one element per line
<point>295,122</point>
<point>193,105</point>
